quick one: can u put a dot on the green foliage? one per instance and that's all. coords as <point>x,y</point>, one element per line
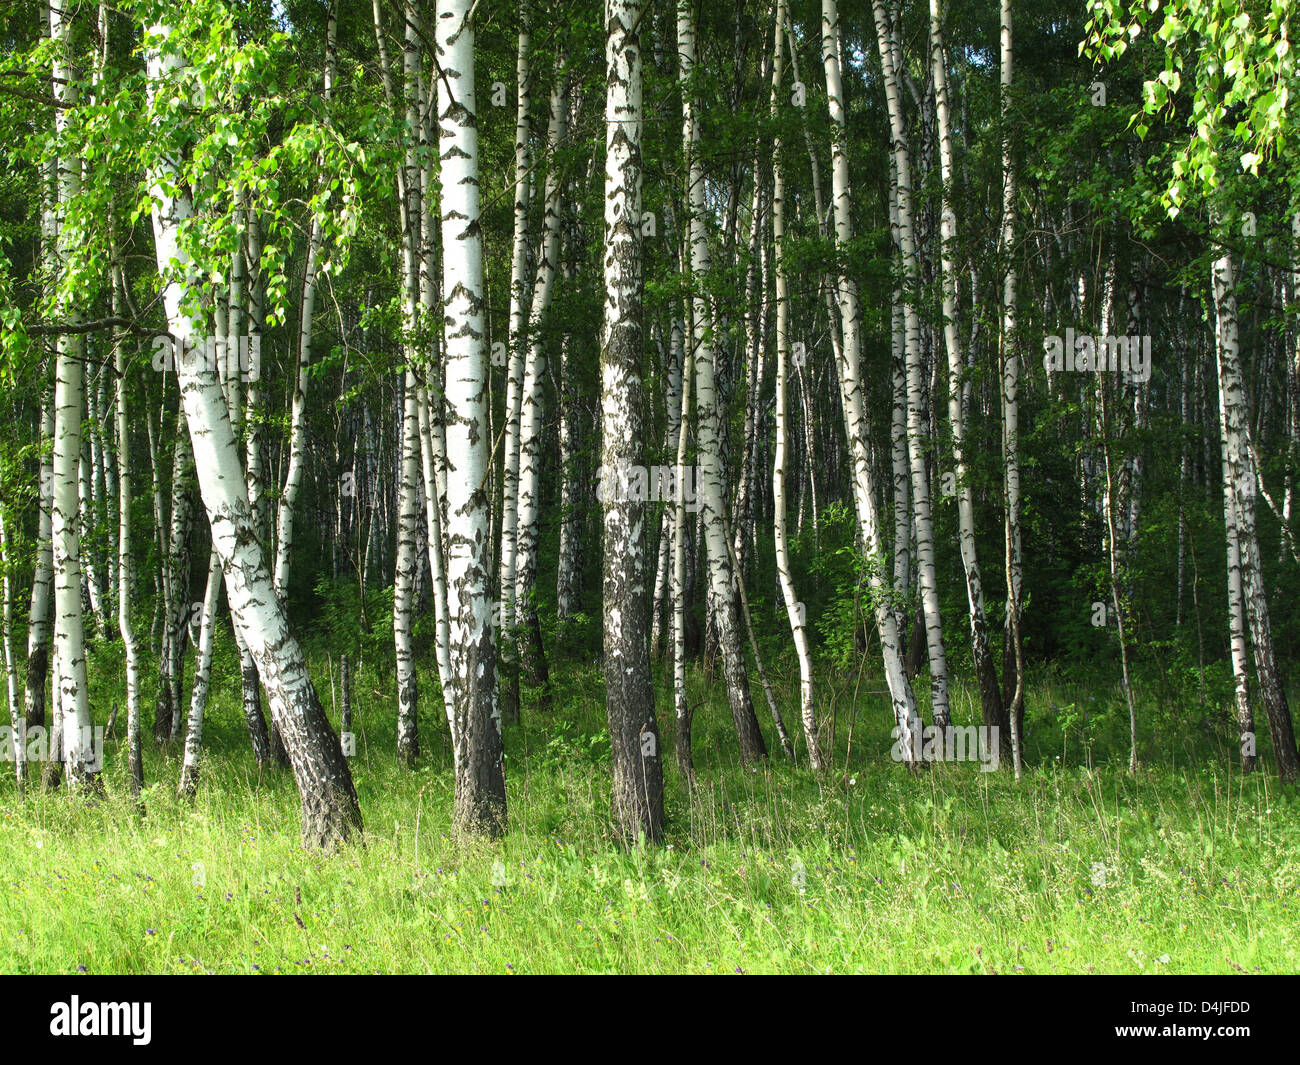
<point>1228,67</point>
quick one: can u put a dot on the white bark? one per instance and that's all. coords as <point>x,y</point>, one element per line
<point>711,472</point>
<point>202,679</point>
<point>1240,491</point>
<point>330,809</point>
<point>519,332</point>
<point>1011,406</point>
<point>793,607</point>
<point>18,730</point>
<point>126,569</point>
<point>531,411</point>
<point>853,399</point>
<point>918,421</point>
<point>480,771</point>
<point>981,652</point>
<point>638,802</point>
<point>72,706</point>
<point>306,311</point>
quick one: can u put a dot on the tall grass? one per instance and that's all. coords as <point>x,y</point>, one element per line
<point>1186,867</point>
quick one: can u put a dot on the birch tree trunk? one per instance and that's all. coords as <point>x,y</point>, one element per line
<point>330,812</point>
<point>681,709</point>
<point>519,343</point>
<point>408,560</point>
<point>176,584</point>
<point>1011,408</point>
<point>793,607</point>
<point>1239,511</point>
<point>531,407</point>
<point>72,705</point>
<point>638,797</point>
<point>480,768</point>
<point>202,680</point>
<point>434,545</point>
<point>918,421</point>
<point>662,602</point>
<point>306,312</point>
<point>38,616</point>
<point>126,570</point>
<point>17,726</point>
<point>432,420</point>
<point>233,377</point>
<point>981,650</point>
<point>711,471</point>
<point>854,403</point>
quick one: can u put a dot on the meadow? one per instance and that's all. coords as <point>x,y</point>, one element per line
<point>1186,867</point>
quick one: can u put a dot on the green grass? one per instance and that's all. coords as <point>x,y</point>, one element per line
<point>1187,867</point>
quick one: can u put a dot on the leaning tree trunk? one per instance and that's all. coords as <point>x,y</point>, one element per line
<point>330,811</point>
<point>638,793</point>
<point>480,767</point>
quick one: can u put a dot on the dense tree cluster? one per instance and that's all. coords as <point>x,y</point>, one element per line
<point>929,340</point>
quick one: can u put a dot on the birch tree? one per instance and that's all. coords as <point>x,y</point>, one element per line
<point>330,811</point>
<point>518,335</point>
<point>959,390</point>
<point>917,408</point>
<point>531,402</point>
<point>1013,671</point>
<point>638,798</point>
<point>38,616</point>
<point>410,472</point>
<point>794,608</point>
<point>202,680</point>
<point>480,768</point>
<point>1240,486</point>
<point>853,400</point>
<point>17,726</point>
<point>126,569</point>
<point>72,703</point>
<point>306,312</point>
<point>711,472</point>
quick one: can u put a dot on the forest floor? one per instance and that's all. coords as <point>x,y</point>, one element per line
<point>1186,867</point>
